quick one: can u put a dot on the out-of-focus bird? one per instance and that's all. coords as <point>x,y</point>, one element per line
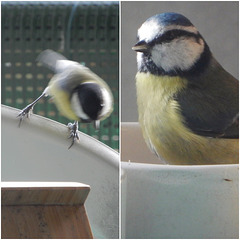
<point>187,103</point>
<point>78,93</point>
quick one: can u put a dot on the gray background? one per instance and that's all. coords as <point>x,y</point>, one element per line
<point>216,21</point>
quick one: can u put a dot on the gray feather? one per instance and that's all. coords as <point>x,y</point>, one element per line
<point>210,103</point>
<point>49,59</point>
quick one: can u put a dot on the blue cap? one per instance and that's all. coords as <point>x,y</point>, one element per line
<point>171,18</point>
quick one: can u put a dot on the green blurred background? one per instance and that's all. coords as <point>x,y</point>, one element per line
<point>86,32</point>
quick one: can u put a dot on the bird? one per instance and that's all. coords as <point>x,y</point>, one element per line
<point>78,93</point>
<point>188,103</point>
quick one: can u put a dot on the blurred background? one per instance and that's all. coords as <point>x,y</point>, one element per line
<point>218,23</point>
<point>86,32</point>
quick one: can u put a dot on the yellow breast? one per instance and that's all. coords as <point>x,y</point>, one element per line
<point>163,125</point>
<point>62,100</point>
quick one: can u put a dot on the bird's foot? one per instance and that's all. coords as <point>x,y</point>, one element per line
<point>73,127</point>
<point>25,113</point>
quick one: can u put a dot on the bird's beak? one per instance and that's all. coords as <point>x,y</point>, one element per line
<point>141,46</point>
<point>96,124</point>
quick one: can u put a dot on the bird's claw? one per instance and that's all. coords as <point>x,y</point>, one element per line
<point>25,113</point>
<point>73,127</point>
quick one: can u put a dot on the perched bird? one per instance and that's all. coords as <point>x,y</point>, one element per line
<point>187,103</point>
<point>78,93</point>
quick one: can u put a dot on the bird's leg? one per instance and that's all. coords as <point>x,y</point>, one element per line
<point>26,111</point>
<point>73,132</point>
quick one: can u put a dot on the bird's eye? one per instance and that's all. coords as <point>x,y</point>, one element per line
<point>168,37</point>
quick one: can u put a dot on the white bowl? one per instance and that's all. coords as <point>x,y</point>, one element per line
<point>38,151</point>
<point>168,201</point>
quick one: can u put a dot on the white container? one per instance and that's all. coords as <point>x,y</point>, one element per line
<point>38,151</point>
<point>169,201</point>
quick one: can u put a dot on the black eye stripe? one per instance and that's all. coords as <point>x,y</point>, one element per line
<point>174,34</point>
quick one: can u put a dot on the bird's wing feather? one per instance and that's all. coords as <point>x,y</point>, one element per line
<point>211,111</point>
<point>50,58</point>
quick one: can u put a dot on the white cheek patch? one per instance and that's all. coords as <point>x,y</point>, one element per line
<point>180,53</point>
<point>77,107</point>
<point>107,103</point>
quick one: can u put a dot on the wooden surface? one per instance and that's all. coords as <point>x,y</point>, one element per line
<point>44,195</point>
<point>45,212</point>
<point>45,222</point>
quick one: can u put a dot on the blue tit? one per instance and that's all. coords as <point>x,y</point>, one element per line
<point>187,102</point>
<point>78,93</point>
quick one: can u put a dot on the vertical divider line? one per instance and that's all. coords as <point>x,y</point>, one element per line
<point>119,115</point>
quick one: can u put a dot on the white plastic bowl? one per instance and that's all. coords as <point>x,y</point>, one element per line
<point>38,151</point>
<point>168,201</point>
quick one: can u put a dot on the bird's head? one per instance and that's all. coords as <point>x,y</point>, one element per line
<point>169,43</point>
<point>91,102</point>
